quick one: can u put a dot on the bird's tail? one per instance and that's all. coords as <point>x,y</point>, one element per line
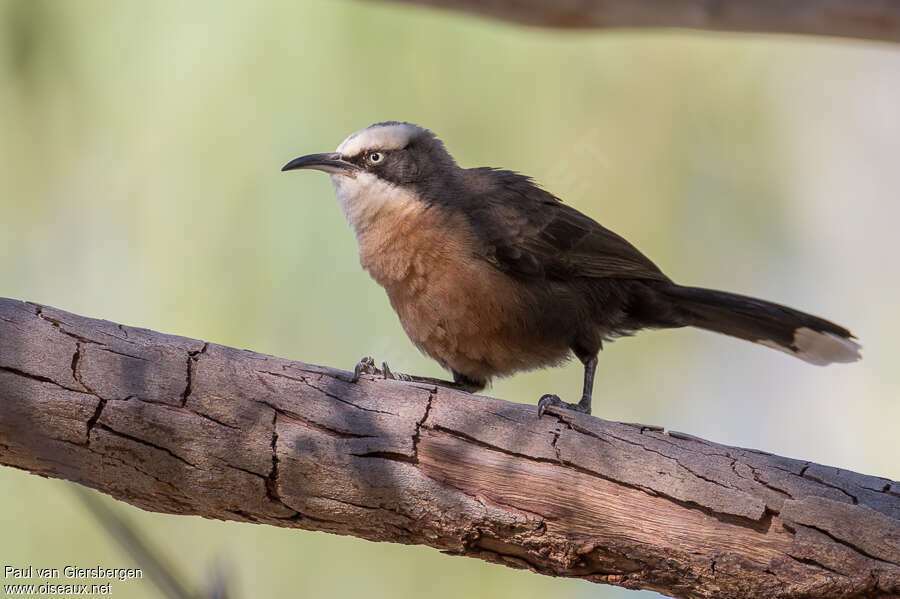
<point>801,335</point>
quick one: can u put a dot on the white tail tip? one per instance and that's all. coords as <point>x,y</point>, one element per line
<point>819,348</point>
<point>824,348</point>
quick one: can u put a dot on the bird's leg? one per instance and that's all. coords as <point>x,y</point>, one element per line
<point>465,383</point>
<point>590,368</point>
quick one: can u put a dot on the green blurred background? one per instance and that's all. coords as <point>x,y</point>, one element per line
<point>140,147</point>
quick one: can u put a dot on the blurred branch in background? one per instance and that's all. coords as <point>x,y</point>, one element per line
<point>160,571</point>
<point>180,426</point>
<point>871,19</point>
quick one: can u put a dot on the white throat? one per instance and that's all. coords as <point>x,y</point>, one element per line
<point>366,198</point>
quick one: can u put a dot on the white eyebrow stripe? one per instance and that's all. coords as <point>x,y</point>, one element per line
<point>384,137</point>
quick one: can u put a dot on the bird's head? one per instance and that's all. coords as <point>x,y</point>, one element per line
<point>387,164</point>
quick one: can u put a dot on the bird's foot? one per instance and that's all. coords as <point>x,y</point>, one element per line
<point>397,376</point>
<point>550,400</point>
<point>366,365</point>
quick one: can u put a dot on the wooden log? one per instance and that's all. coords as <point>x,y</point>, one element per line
<point>180,426</point>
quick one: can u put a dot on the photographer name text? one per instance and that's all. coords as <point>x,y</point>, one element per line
<point>72,572</point>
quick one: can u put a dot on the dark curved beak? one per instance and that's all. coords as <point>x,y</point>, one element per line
<point>331,163</point>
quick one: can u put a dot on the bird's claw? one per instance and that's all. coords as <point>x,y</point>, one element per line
<point>549,400</point>
<point>366,365</point>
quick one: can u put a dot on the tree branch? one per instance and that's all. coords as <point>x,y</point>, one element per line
<point>176,425</point>
<point>865,19</point>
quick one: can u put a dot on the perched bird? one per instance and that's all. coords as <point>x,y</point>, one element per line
<point>490,274</point>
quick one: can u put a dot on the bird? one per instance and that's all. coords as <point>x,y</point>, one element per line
<point>490,274</point>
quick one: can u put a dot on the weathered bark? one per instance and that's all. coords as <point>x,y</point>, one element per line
<point>864,19</point>
<point>176,425</point>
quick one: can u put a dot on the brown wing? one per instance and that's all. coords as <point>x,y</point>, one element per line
<point>529,233</point>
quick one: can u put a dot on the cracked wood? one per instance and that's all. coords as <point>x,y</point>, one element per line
<point>180,426</point>
<point>871,19</point>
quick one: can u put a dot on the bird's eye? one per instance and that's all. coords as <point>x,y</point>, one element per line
<point>376,157</point>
